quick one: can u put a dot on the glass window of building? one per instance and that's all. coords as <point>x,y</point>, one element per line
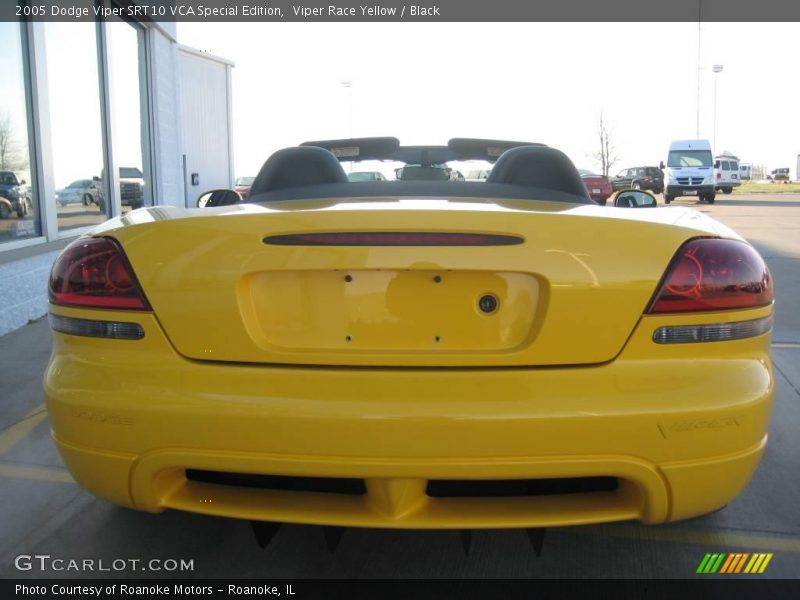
<point>75,124</point>
<point>19,208</point>
<point>128,99</point>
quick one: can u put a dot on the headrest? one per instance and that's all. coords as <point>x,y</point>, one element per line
<point>538,167</point>
<point>298,167</point>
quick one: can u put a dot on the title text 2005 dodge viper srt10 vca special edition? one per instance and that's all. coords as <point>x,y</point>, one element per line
<point>418,353</point>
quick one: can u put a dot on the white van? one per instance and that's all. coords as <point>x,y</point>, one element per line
<point>726,173</point>
<point>745,172</point>
<point>689,171</point>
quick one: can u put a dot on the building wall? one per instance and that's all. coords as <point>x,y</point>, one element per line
<point>25,265</point>
<point>23,293</point>
<point>168,171</point>
<point>206,127</point>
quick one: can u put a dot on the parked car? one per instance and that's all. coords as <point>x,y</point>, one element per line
<point>639,178</point>
<point>439,355</point>
<point>14,194</point>
<point>598,186</point>
<point>131,187</point>
<point>84,191</point>
<point>781,175</point>
<point>689,171</point>
<point>726,173</point>
<point>242,186</point>
<point>745,172</point>
<point>430,172</point>
<point>477,175</point>
<point>366,176</point>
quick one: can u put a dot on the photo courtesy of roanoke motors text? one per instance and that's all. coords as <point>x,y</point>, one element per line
<point>449,299</point>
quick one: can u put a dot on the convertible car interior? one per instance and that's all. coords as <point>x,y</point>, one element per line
<point>521,170</point>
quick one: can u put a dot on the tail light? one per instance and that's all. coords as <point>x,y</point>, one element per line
<point>710,274</point>
<point>94,273</point>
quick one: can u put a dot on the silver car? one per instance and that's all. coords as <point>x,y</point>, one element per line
<point>85,191</point>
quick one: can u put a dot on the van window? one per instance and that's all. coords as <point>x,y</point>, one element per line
<point>734,165</point>
<point>689,158</point>
<point>726,166</point>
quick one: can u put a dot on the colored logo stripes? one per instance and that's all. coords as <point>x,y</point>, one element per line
<point>738,562</point>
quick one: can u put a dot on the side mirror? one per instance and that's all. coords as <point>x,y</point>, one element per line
<point>22,182</point>
<point>661,165</point>
<point>716,164</point>
<point>635,199</point>
<point>220,197</point>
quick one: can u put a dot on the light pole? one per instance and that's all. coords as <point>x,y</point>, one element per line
<point>717,70</point>
<point>699,39</point>
<point>348,85</point>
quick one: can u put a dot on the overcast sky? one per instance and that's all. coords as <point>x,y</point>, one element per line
<point>541,82</point>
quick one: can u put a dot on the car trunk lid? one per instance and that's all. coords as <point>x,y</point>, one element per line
<point>569,292</point>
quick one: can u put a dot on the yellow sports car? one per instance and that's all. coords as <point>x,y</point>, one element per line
<point>413,353</point>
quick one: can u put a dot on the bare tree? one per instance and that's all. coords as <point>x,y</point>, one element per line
<point>11,158</point>
<point>607,156</point>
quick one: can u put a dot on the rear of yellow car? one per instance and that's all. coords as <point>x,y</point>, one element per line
<point>415,364</point>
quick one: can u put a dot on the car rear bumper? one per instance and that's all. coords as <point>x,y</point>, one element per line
<point>676,191</point>
<point>680,429</point>
<point>397,495</point>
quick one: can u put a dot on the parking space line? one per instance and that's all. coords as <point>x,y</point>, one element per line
<point>785,344</point>
<point>19,430</point>
<point>37,473</point>
<point>713,538</point>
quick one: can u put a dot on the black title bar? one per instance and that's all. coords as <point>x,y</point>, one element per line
<point>420,589</point>
<point>433,11</point>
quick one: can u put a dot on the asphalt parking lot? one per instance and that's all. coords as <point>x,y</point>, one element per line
<point>42,511</point>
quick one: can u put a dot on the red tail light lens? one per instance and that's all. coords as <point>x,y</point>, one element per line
<point>714,274</point>
<point>95,273</point>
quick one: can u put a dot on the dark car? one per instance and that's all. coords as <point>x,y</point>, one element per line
<point>779,175</point>
<point>639,178</point>
<point>14,194</point>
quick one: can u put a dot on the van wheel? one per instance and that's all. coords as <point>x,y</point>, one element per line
<point>667,199</point>
<point>727,190</point>
<point>708,199</point>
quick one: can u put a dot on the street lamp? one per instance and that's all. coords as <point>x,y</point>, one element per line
<point>348,85</point>
<point>717,69</point>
